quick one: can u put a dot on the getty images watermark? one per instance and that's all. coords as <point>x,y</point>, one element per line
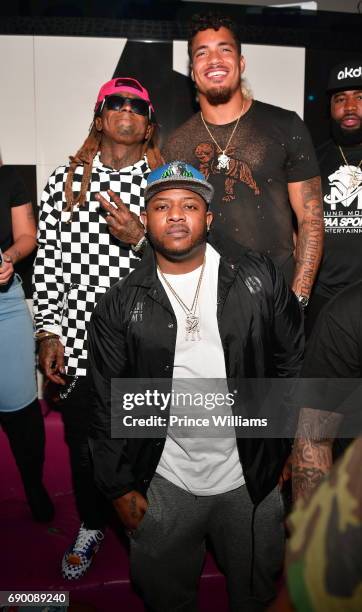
<point>179,404</point>
<point>245,408</point>
<point>150,408</point>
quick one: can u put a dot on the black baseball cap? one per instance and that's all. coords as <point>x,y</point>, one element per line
<point>346,75</point>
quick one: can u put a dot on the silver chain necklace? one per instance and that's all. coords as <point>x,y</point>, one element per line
<point>192,325</point>
<point>222,158</point>
<point>354,180</point>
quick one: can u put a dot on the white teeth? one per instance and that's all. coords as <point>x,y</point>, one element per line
<point>218,73</point>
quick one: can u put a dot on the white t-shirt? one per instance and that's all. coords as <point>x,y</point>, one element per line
<point>200,464</point>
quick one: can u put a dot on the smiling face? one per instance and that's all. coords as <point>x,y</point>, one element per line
<point>176,221</point>
<point>123,126</point>
<point>216,65</point>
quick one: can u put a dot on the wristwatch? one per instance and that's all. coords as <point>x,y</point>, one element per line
<point>303,300</point>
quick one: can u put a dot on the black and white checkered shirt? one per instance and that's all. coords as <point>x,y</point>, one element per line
<point>77,262</point>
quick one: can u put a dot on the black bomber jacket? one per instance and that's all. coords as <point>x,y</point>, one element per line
<point>261,330</point>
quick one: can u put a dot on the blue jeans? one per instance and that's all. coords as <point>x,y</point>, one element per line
<point>17,350</point>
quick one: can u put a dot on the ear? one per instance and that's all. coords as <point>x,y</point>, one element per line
<point>192,75</point>
<point>143,218</point>
<point>242,64</point>
<point>149,132</point>
<point>209,218</point>
<point>98,123</point>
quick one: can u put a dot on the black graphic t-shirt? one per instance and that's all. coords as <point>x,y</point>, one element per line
<point>342,201</point>
<point>12,193</point>
<point>270,148</point>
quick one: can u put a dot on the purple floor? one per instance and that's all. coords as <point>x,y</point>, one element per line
<point>30,553</point>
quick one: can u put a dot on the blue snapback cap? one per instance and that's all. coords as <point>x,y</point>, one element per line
<point>178,175</point>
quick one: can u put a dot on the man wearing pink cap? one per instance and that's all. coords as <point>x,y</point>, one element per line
<point>89,237</point>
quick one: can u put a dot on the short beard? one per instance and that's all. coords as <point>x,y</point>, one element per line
<point>346,138</point>
<point>176,255</point>
<point>222,95</point>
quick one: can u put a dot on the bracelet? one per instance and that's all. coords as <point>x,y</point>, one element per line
<point>44,335</point>
<point>137,247</point>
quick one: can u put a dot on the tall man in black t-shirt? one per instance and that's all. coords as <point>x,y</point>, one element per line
<point>340,160</point>
<point>259,159</point>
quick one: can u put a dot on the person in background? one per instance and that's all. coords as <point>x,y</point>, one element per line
<point>86,244</point>
<point>323,569</point>
<point>330,379</point>
<point>20,411</point>
<point>340,162</point>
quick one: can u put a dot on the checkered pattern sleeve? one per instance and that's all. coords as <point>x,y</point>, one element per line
<point>48,274</point>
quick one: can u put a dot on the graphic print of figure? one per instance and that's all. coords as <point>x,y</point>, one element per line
<point>238,171</point>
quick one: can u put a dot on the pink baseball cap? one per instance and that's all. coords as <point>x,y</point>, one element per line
<point>120,85</point>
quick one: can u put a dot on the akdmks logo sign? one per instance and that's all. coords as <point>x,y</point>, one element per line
<point>351,73</point>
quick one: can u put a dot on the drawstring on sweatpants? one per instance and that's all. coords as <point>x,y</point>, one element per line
<point>251,579</point>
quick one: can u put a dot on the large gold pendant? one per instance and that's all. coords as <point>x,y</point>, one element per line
<point>192,328</point>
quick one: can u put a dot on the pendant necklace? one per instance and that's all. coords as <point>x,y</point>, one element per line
<point>223,158</point>
<point>192,325</point>
<point>354,180</point>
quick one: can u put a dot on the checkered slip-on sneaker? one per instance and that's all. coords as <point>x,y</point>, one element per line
<point>78,558</point>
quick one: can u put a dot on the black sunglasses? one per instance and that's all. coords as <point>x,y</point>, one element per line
<point>116,103</point>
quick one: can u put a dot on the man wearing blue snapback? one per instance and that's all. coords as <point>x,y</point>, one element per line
<point>193,310</point>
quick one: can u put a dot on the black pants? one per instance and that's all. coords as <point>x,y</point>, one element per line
<point>25,431</point>
<point>76,412</point>
<point>316,304</point>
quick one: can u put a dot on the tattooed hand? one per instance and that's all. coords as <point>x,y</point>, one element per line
<point>312,451</point>
<point>122,223</point>
<point>51,360</point>
<point>131,509</point>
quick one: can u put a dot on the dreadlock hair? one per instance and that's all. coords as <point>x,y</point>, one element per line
<point>85,155</point>
<point>211,21</point>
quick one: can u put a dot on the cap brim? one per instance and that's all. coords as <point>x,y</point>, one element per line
<point>345,87</point>
<point>202,188</point>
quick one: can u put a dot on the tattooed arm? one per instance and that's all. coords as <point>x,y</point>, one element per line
<point>24,232</point>
<point>312,451</point>
<point>306,201</point>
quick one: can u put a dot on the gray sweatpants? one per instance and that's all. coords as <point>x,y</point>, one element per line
<point>168,548</point>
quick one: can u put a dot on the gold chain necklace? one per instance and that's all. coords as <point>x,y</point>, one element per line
<point>354,180</point>
<point>223,159</point>
<point>192,326</point>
